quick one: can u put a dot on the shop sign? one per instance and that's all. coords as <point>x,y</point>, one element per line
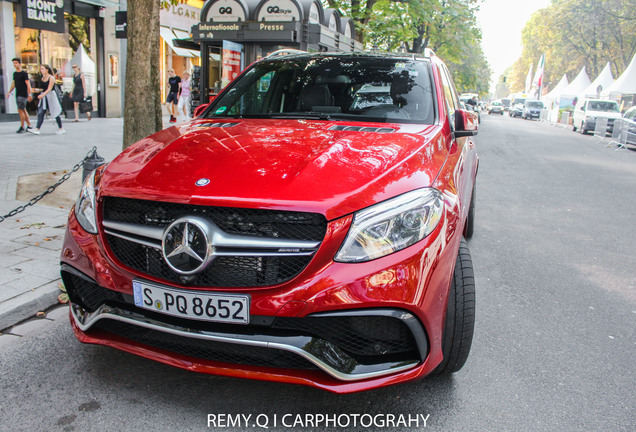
<point>121,24</point>
<point>43,15</point>
<point>272,31</point>
<point>232,63</point>
<point>226,11</point>
<point>278,10</point>
<point>314,14</point>
<point>181,16</point>
<point>218,31</point>
<point>331,22</point>
<point>347,31</point>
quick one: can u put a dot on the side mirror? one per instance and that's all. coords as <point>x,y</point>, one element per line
<point>466,123</point>
<point>198,110</point>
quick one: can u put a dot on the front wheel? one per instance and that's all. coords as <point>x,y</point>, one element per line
<point>460,315</point>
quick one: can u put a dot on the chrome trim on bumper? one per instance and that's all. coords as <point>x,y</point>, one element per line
<point>325,355</point>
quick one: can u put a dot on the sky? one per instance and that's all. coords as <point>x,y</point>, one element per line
<point>501,23</point>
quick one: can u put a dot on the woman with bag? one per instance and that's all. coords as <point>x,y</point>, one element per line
<point>48,101</point>
<point>79,91</point>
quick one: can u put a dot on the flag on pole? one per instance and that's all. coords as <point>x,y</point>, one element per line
<point>528,80</point>
<point>538,76</point>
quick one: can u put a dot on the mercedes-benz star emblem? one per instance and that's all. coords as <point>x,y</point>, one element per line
<point>186,246</point>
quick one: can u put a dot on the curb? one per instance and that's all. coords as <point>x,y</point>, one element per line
<point>24,306</point>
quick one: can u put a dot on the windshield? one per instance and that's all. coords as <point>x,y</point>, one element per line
<point>496,104</point>
<point>603,106</point>
<point>352,88</point>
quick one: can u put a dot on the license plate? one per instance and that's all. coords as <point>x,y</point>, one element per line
<point>227,308</point>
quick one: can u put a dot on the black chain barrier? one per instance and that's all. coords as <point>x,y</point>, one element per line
<point>50,189</point>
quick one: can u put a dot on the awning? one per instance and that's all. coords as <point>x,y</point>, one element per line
<point>168,36</point>
<point>101,3</point>
<point>184,40</point>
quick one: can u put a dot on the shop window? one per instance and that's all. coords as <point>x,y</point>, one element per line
<point>60,51</point>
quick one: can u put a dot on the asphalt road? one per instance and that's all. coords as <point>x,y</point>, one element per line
<point>555,338</point>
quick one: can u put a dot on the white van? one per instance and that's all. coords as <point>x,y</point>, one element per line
<point>587,110</point>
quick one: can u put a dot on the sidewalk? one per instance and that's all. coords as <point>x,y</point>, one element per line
<point>31,241</point>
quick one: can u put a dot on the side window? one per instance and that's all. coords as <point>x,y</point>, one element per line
<point>452,100</point>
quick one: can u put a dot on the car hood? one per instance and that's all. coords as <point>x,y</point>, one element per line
<point>302,165</point>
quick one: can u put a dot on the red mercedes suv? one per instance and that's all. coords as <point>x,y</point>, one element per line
<point>307,227</point>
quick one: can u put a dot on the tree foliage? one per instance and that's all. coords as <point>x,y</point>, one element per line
<point>448,27</point>
<point>577,33</point>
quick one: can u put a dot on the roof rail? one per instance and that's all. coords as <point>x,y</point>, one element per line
<point>285,52</point>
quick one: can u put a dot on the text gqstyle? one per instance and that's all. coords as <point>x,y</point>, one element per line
<point>265,421</point>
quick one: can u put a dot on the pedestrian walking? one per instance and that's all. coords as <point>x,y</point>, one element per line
<point>173,94</point>
<point>48,101</point>
<point>22,86</point>
<point>183,106</point>
<point>79,91</point>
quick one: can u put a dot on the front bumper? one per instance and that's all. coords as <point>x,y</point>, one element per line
<point>406,290</point>
<point>590,124</point>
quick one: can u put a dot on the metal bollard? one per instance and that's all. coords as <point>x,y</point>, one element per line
<point>90,163</point>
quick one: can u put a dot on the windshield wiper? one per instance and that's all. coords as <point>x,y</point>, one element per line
<point>301,115</point>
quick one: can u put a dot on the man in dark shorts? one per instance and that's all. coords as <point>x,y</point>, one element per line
<point>173,94</point>
<point>22,87</point>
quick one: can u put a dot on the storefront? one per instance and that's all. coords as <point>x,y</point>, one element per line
<point>235,33</point>
<point>176,22</point>
<point>58,33</point>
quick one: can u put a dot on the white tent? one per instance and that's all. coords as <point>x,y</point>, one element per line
<point>554,94</point>
<point>86,65</point>
<point>602,81</point>
<point>624,84</point>
<point>578,85</point>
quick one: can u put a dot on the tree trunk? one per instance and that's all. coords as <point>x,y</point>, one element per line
<point>142,106</point>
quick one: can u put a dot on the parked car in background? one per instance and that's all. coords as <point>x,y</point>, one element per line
<point>516,107</point>
<point>630,127</point>
<point>532,109</point>
<point>306,228</point>
<point>496,107</point>
<point>587,111</point>
<point>471,104</point>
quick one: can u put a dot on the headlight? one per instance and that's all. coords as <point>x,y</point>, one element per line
<point>85,209</point>
<point>391,225</point>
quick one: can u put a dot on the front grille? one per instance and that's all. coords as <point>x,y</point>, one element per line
<point>85,292</point>
<point>225,271</point>
<point>206,350</point>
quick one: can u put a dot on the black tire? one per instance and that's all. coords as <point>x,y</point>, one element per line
<point>460,315</point>
<point>573,127</point>
<point>470,219</point>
